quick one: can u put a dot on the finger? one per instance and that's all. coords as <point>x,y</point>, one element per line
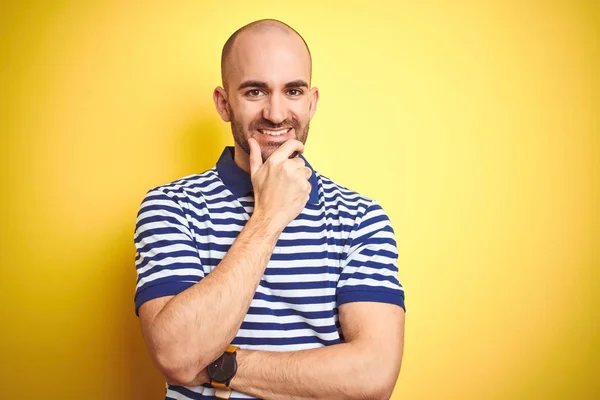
<point>286,150</point>
<point>297,162</point>
<point>307,172</point>
<point>255,156</point>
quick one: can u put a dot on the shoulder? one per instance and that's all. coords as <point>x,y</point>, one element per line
<point>360,213</point>
<point>190,186</point>
<point>336,195</point>
<point>183,196</point>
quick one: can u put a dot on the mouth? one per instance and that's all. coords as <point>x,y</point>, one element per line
<point>275,132</point>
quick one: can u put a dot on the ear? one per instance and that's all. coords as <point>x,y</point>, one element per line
<point>221,102</point>
<point>314,93</point>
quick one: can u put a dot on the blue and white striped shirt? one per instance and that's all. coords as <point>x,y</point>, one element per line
<point>340,249</point>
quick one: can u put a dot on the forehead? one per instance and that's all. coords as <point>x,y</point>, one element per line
<point>272,56</point>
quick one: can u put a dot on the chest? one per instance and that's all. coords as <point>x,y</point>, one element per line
<point>310,247</point>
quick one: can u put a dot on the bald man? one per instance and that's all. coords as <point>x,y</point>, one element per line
<point>261,278</point>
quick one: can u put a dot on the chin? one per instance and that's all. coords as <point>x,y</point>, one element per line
<point>266,154</point>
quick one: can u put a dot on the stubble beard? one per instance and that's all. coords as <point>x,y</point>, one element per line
<point>240,136</point>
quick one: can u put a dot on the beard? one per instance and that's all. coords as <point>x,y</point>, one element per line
<point>240,135</point>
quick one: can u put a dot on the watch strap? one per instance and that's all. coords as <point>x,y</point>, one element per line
<point>223,393</point>
<point>231,349</point>
<point>218,385</point>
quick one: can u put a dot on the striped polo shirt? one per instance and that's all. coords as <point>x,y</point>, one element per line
<point>340,249</point>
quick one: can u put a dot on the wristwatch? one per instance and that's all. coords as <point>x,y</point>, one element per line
<point>221,371</point>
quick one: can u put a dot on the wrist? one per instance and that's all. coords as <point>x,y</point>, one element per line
<point>237,381</point>
<point>265,226</point>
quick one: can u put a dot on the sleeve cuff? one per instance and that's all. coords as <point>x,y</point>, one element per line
<point>377,296</point>
<point>161,290</point>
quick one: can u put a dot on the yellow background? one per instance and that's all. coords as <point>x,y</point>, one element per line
<point>474,123</point>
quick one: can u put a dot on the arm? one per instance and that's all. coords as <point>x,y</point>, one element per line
<point>186,332</point>
<point>366,366</point>
<point>371,301</point>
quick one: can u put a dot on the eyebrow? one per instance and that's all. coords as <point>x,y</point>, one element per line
<point>258,84</point>
<point>298,83</point>
<point>263,85</point>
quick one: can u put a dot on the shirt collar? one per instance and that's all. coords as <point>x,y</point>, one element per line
<point>238,181</point>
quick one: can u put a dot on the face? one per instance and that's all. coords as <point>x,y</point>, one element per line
<point>268,93</point>
<point>269,134</point>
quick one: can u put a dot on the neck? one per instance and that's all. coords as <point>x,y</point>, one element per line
<point>241,159</point>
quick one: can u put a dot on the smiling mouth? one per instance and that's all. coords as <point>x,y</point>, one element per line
<point>277,132</point>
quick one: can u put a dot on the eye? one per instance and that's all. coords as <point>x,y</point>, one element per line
<point>294,92</point>
<point>253,93</point>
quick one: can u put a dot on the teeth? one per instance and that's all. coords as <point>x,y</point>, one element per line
<point>274,133</point>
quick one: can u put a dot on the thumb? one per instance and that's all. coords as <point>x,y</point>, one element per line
<point>255,156</point>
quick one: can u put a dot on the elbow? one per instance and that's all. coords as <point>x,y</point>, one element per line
<point>383,392</point>
<point>178,377</point>
<point>380,384</point>
<point>378,390</point>
<point>176,369</point>
<point>385,376</point>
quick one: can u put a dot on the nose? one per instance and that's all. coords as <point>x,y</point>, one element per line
<point>274,109</point>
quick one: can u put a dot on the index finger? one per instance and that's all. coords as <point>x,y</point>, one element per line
<point>284,151</point>
<point>255,156</point>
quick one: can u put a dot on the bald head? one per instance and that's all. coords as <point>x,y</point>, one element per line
<point>267,94</point>
<point>253,34</point>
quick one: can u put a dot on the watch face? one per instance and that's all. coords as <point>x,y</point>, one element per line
<point>223,368</point>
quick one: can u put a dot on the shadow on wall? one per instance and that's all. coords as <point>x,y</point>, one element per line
<point>202,143</point>
<point>199,146</point>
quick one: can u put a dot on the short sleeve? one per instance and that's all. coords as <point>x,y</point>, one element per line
<point>370,269</point>
<point>167,259</point>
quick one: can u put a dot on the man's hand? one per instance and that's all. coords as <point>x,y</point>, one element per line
<point>281,187</point>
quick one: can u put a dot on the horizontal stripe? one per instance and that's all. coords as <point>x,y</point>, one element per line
<point>289,330</point>
<point>284,312</point>
<point>281,341</point>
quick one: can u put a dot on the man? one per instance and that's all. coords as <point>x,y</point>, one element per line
<point>260,278</point>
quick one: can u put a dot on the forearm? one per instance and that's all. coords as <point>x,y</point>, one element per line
<point>342,371</point>
<point>195,326</point>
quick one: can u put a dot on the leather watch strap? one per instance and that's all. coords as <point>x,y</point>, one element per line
<point>218,385</point>
<point>223,393</point>
<point>231,349</point>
